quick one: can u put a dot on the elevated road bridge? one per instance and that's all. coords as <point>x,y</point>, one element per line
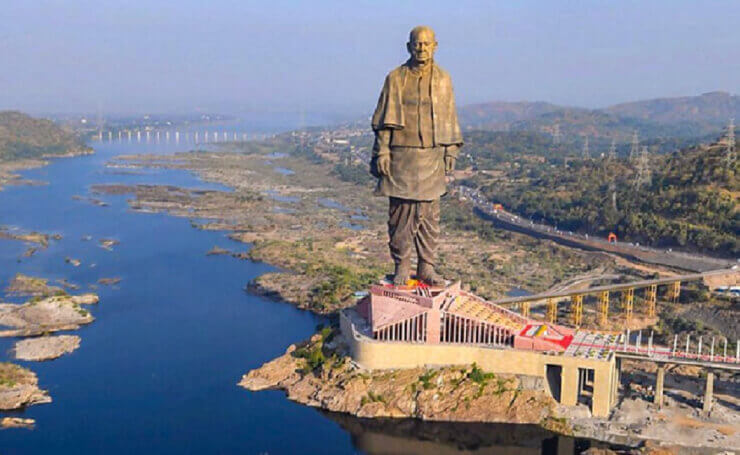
<point>626,300</point>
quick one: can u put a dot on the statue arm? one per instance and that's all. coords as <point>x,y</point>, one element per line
<point>380,164</point>
<point>452,151</point>
<point>382,146</point>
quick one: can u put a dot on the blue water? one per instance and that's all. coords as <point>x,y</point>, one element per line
<point>157,371</point>
<point>332,204</point>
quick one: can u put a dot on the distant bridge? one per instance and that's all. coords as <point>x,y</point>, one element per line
<point>205,136</point>
<point>627,296</point>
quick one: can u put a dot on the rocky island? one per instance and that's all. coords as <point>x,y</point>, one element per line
<point>49,310</point>
<point>19,387</point>
<point>46,347</point>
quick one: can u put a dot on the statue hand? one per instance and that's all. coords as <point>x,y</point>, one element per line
<point>384,165</point>
<point>449,164</point>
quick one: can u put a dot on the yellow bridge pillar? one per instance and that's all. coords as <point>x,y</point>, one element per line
<point>576,308</point>
<point>524,309</point>
<point>651,298</point>
<point>628,299</point>
<point>552,310</point>
<point>603,307</point>
<point>674,291</point>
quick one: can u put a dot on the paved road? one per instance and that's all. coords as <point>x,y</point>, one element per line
<point>509,221</point>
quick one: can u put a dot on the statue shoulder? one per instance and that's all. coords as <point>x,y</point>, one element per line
<point>441,71</point>
<point>397,72</point>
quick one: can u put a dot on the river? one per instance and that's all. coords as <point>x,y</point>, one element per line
<point>157,371</point>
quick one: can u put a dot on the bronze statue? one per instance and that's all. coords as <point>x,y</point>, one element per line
<point>417,141</point>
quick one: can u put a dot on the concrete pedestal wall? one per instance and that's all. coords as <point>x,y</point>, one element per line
<point>379,355</point>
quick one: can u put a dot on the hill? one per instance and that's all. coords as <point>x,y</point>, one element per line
<point>713,108</point>
<point>22,136</point>
<point>500,115</point>
<point>691,201</point>
<point>681,117</point>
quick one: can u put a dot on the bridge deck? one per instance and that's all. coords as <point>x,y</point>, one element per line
<point>614,287</point>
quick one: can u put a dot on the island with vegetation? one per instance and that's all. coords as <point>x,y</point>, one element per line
<point>49,309</point>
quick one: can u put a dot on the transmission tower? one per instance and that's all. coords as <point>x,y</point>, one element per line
<point>635,149</point>
<point>612,155</point>
<point>642,176</point>
<point>586,153</point>
<point>730,156</point>
<point>556,134</point>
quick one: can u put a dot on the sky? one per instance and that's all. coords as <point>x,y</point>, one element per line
<point>184,56</point>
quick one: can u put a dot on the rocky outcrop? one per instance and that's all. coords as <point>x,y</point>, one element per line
<point>24,285</point>
<point>44,315</point>
<point>318,373</point>
<point>19,387</point>
<point>17,422</point>
<point>46,348</point>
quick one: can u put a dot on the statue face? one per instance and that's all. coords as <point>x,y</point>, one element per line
<point>422,45</point>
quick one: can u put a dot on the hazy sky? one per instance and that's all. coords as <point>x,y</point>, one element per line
<point>219,55</point>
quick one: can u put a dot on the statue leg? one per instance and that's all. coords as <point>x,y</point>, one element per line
<point>401,230</point>
<point>426,242</point>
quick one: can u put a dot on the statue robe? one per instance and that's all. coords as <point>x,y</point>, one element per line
<point>417,173</point>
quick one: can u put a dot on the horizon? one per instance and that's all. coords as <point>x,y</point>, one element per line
<point>286,59</point>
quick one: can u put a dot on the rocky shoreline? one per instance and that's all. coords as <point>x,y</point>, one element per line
<point>328,236</point>
<point>19,388</point>
<point>319,373</point>
<point>9,169</point>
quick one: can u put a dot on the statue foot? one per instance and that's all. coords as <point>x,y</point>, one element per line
<point>427,274</point>
<point>401,275</point>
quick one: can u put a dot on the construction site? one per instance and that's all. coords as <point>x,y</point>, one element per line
<point>396,327</point>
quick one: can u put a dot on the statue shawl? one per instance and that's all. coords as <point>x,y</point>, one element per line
<point>389,112</point>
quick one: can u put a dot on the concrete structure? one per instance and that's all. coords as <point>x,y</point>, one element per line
<point>415,326</point>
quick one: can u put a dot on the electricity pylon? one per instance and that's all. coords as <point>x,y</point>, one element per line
<point>730,155</point>
<point>556,134</point>
<point>635,149</point>
<point>642,175</point>
<point>612,155</point>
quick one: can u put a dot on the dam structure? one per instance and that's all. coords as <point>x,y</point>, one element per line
<point>396,327</point>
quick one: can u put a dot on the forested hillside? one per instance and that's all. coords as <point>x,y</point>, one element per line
<point>22,136</point>
<point>691,200</point>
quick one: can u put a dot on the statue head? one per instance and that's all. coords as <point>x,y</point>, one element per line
<point>422,44</point>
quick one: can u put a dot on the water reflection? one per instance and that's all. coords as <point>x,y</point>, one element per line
<point>410,436</point>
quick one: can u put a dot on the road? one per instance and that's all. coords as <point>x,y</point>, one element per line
<point>512,222</point>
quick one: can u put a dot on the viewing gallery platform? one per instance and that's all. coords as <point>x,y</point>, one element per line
<point>417,325</point>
